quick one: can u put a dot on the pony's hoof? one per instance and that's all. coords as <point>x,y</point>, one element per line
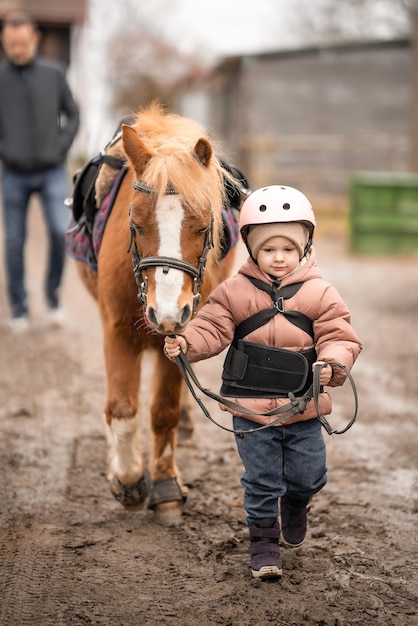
<point>168,514</point>
<point>166,500</point>
<point>132,497</point>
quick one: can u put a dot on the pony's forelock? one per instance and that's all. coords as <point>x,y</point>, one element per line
<point>170,139</point>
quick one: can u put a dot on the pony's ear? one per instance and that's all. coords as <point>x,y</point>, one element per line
<point>135,148</point>
<point>203,151</point>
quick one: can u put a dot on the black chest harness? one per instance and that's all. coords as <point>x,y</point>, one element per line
<point>252,370</point>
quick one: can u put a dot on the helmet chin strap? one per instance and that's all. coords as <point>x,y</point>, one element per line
<point>307,248</point>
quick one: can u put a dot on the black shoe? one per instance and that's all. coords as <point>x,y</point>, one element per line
<point>264,549</point>
<point>294,519</point>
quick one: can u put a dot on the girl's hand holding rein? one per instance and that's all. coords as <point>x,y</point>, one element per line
<point>173,345</point>
<point>326,373</point>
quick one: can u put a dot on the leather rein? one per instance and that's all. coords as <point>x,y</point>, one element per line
<point>165,262</point>
<point>283,413</point>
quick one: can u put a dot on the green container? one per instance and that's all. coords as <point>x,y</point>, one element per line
<point>383,214</point>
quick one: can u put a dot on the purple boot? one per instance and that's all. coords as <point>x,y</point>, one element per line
<point>264,549</point>
<point>294,514</point>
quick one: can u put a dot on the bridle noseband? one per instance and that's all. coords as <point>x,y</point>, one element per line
<point>166,262</point>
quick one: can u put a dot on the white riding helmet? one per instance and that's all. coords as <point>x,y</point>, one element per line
<point>276,204</point>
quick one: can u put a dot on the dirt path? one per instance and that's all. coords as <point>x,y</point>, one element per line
<point>69,555</point>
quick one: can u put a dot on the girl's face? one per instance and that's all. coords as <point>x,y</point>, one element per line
<point>278,257</point>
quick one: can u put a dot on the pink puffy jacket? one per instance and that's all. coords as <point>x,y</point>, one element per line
<point>212,330</point>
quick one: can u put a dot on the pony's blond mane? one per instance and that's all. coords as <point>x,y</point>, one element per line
<point>170,139</point>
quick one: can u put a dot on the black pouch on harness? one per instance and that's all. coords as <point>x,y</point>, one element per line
<point>255,371</point>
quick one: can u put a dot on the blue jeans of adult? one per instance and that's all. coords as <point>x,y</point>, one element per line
<point>52,185</point>
<point>280,460</point>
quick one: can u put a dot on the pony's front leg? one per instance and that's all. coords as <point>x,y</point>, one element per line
<point>130,481</point>
<point>167,495</point>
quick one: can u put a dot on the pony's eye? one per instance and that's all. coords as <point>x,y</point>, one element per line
<point>138,228</point>
<point>202,231</point>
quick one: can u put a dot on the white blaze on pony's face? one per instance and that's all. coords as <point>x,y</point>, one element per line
<point>181,237</point>
<point>169,284</point>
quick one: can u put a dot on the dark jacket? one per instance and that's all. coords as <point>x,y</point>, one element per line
<point>38,116</point>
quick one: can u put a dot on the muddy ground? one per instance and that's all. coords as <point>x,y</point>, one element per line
<point>70,555</point>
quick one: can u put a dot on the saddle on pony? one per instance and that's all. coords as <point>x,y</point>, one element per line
<point>96,186</point>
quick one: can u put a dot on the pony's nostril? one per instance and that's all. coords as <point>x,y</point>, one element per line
<point>186,314</point>
<point>152,316</point>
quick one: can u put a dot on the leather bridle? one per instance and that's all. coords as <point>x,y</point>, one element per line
<point>164,261</point>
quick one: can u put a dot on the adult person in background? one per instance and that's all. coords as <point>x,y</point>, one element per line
<point>38,122</point>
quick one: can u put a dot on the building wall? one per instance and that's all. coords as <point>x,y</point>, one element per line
<point>49,11</point>
<point>54,20</point>
<point>310,118</point>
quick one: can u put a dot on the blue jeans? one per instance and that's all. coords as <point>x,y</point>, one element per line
<point>280,460</point>
<point>52,185</point>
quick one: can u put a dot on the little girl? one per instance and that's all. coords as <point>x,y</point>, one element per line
<point>273,362</point>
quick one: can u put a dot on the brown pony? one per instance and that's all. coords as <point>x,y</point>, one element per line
<point>168,214</point>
